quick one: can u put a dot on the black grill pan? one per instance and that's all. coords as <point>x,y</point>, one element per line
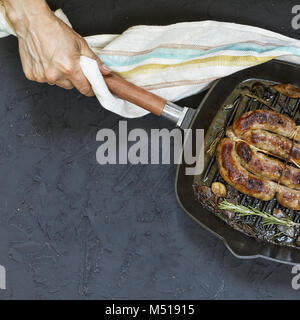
<point>240,244</point>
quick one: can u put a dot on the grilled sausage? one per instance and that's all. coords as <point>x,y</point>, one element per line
<point>288,198</point>
<point>274,144</point>
<point>267,120</point>
<point>234,174</point>
<point>264,166</point>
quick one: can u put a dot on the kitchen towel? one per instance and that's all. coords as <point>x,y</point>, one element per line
<point>178,60</point>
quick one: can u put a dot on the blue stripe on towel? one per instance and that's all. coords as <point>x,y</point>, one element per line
<point>186,54</point>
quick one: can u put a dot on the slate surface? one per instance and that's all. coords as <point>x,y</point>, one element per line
<point>72,229</point>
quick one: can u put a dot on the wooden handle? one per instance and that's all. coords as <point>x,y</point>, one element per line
<point>134,94</point>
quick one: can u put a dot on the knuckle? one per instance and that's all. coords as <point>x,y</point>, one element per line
<point>29,76</point>
<point>68,86</point>
<point>38,78</point>
<point>85,90</point>
<point>65,64</point>
<point>68,68</point>
<point>51,75</point>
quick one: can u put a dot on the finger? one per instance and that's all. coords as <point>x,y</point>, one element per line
<point>86,51</point>
<point>38,72</point>
<point>81,83</point>
<point>65,84</point>
<point>26,62</point>
<point>105,70</point>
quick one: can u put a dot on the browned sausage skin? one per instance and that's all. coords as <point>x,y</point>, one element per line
<point>291,177</point>
<point>238,177</point>
<point>258,163</point>
<point>288,197</point>
<point>274,144</point>
<point>234,174</point>
<point>244,164</point>
<point>266,120</point>
<point>267,167</point>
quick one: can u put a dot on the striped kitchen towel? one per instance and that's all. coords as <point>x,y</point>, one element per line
<point>178,60</point>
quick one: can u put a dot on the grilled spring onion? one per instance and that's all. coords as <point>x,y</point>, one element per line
<point>261,101</point>
<point>267,219</point>
<point>214,144</point>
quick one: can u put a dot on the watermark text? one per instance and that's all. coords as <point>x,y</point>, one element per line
<point>296,19</point>
<point>137,146</point>
<point>2,278</point>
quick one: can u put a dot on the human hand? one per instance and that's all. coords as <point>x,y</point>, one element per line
<point>49,49</point>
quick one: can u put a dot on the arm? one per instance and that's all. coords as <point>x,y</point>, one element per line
<point>49,49</point>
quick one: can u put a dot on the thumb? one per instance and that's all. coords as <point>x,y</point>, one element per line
<point>86,51</point>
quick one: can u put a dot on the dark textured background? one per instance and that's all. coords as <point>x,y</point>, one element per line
<point>72,229</point>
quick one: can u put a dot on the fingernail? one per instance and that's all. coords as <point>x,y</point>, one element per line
<point>106,68</point>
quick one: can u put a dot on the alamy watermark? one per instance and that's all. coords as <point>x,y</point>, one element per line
<point>296,278</point>
<point>2,278</point>
<point>296,19</point>
<point>138,146</point>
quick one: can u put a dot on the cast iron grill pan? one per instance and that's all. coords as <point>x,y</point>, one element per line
<point>242,100</point>
<point>229,98</point>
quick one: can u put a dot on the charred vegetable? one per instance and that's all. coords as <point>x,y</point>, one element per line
<point>218,189</point>
<point>214,144</point>
<point>260,100</point>
<point>288,90</point>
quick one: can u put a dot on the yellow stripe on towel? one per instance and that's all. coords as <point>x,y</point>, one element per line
<point>228,61</point>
